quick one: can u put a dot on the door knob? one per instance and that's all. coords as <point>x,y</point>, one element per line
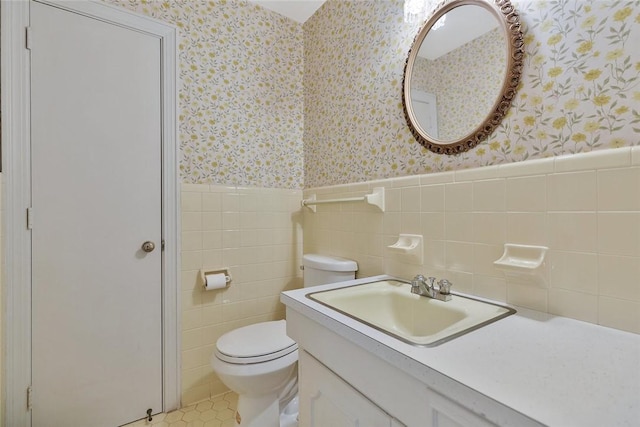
<point>148,246</point>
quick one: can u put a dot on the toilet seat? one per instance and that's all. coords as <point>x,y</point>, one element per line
<point>257,343</point>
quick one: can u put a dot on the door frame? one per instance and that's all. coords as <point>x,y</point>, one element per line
<point>16,198</point>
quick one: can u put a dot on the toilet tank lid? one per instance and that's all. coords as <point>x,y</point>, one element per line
<point>328,263</point>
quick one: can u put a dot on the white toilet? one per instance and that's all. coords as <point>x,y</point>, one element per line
<point>259,361</point>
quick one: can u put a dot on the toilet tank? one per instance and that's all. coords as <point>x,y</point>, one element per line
<point>322,269</point>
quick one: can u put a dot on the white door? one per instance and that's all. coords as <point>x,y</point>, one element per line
<point>96,197</point>
<point>426,109</point>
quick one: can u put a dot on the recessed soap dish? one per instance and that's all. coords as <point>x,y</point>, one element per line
<point>525,263</point>
<point>408,248</point>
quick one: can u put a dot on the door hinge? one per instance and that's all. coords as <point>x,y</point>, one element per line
<point>29,398</point>
<point>28,37</point>
<point>162,245</point>
<point>29,218</point>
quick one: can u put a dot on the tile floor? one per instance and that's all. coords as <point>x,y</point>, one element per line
<point>219,411</point>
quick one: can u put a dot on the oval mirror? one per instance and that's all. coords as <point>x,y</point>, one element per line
<point>462,73</point>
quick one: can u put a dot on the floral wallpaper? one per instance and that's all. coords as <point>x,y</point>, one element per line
<point>241,96</point>
<point>268,102</point>
<point>580,89</point>
<point>461,108</point>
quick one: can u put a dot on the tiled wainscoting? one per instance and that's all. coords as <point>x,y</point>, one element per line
<point>257,234</point>
<point>585,208</point>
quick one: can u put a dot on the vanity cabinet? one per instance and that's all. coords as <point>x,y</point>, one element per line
<point>522,371</point>
<point>327,400</point>
<point>342,385</point>
<point>444,412</point>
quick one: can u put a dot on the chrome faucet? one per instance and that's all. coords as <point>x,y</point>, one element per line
<point>426,287</point>
<point>419,286</point>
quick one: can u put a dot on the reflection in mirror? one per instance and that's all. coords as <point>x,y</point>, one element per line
<point>461,73</point>
<point>461,63</point>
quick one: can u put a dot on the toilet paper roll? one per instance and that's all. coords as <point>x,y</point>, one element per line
<point>215,281</point>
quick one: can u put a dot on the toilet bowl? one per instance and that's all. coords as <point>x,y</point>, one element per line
<point>259,361</point>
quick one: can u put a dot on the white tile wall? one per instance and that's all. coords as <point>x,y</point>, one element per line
<point>257,234</point>
<point>585,208</point>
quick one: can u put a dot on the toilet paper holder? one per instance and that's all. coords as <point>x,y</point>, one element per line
<point>204,274</point>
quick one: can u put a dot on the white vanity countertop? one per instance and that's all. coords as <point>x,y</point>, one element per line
<point>555,370</point>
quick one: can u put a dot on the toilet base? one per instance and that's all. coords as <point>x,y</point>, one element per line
<point>289,416</point>
<point>264,412</point>
<point>259,411</point>
<point>270,410</point>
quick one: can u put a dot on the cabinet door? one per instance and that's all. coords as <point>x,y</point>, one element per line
<point>446,413</point>
<point>327,400</point>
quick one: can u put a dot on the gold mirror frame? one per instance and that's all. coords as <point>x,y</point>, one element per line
<point>509,20</point>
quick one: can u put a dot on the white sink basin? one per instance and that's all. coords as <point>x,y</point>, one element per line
<point>390,307</point>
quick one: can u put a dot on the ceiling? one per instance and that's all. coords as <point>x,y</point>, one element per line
<point>462,25</point>
<point>298,10</point>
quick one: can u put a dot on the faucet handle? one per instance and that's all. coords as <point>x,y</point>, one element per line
<point>445,286</point>
<point>418,278</point>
